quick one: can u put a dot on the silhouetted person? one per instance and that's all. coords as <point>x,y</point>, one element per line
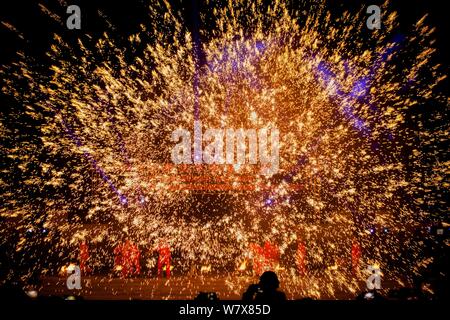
<point>265,290</point>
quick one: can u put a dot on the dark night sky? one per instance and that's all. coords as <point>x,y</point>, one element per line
<point>37,28</point>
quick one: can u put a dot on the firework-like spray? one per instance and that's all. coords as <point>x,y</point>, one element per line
<point>352,148</point>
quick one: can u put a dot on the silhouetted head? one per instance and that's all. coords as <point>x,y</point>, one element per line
<point>269,281</point>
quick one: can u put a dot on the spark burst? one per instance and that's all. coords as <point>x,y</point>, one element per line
<point>349,135</point>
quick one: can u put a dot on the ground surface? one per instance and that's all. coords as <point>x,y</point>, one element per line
<point>187,288</point>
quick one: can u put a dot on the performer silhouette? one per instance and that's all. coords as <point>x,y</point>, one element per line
<point>164,258</point>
